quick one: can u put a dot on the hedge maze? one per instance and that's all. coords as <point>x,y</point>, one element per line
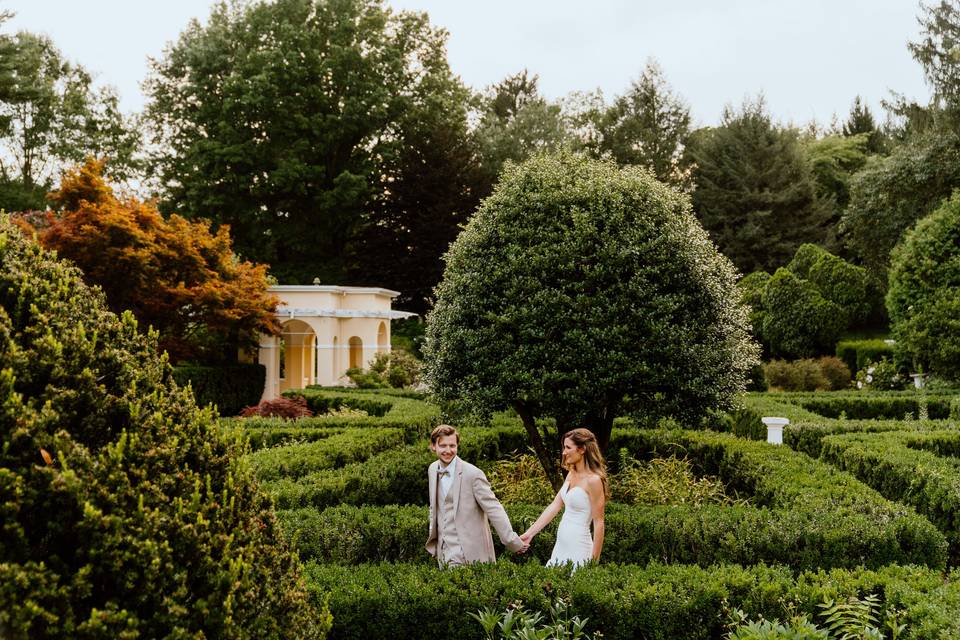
<point>849,507</point>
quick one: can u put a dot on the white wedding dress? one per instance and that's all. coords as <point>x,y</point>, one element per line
<point>574,542</point>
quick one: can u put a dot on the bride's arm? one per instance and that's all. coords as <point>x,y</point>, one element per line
<point>598,500</point>
<point>545,518</point>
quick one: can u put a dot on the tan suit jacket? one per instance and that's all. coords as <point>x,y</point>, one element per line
<point>475,509</point>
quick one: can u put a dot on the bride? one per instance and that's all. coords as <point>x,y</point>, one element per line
<point>583,495</point>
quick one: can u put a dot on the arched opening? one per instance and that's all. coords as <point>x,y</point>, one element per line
<point>297,355</point>
<point>383,345</point>
<point>356,352</point>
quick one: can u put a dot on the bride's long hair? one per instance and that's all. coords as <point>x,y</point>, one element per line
<point>592,458</point>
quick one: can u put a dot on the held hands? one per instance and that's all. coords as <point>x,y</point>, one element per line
<point>526,538</point>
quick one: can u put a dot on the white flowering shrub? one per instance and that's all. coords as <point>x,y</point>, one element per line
<point>880,376</point>
<point>581,291</point>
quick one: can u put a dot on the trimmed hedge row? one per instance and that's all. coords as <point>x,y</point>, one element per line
<point>393,477</point>
<point>859,353</point>
<point>657,602</point>
<point>680,534</point>
<point>294,461</point>
<point>230,387</point>
<point>908,467</point>
<point>872,407</point>
<point>815,511</point>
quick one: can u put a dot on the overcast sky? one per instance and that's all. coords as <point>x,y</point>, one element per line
<point>809,57</point>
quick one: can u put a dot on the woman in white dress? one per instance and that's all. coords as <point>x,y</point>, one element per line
<point>583,497</point>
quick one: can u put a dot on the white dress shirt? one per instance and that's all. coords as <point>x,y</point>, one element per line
<point>446,479</point>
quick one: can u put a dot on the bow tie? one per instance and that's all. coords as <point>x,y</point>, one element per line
<point>443,472</point>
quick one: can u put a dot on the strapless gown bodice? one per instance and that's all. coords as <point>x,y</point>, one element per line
<point>574,542</point>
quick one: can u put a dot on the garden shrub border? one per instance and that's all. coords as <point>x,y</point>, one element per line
<point>674,602</point>
<point>915,468</point>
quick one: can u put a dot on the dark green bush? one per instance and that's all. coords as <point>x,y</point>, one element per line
<point>924,295</point>
<point>124,513</point>
<point>229,387</point>
<point>798,321</point>
<point>387,601</point>
<point>859,353</point>
<point>876,408</point>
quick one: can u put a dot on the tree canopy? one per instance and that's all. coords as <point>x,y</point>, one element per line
<point>924,295</point>
<point>580,291</point>
<point>173,274</point>
<point>754,189</point>
<point>281,119</point>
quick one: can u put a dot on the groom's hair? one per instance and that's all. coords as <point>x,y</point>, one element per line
<point>443,431</point>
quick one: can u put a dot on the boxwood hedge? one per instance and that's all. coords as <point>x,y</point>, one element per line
<point>656,602</point>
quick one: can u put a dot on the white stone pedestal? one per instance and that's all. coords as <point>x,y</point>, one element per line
<point>775,429</point>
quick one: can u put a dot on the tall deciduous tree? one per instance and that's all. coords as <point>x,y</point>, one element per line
<point>581,291</point>
<point>280,118</point>
<point>428,189</point>
<point>754,189</point>
<point>173,274</point>
<point>648,126</point>
<point>53,117</point>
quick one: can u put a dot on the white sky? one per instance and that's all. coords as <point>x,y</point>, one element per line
<point>809,57</point>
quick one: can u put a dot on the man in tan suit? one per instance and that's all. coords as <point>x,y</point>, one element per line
<point>462,507</point>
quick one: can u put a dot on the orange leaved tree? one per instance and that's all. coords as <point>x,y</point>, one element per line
<point>173,274</point>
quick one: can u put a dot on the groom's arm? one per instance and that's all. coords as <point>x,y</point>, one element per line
<point>495,513</point>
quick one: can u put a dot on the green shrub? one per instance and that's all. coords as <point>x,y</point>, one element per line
<point>916,468</point>
<point>798,321</point>
<point>826,373</point>
<point>229,387</point>
<point>845,284</point>
<point>520,479</point>
<point>397,369</point>
<point>924,295</point>
<point>882,375</point>
<point>387,601</point>
<point>857,354</point>
<point>124,513</point>
<point>955,408</point>
<point>294,461</point>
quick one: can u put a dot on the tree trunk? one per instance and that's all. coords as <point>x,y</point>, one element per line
<point>548,459</point>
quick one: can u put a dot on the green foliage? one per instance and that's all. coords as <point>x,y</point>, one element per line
<point>834,159</point>
<point>664,481</point>
<point>381,601</point>
<point>857,354</point>
<point>51,116</point>
<point>797,319</point>
<point>610,299</point>
<point>371,88</point>
<point>924,295</point>
<point>294,461</point>
<point>124,512</point>
<point>891,194</point>
<point>810,374</point>
<point>914,467</point>
<point>520,479</point>
<point>648,126</point>
<point>755,192</point>
<point>882,375</point>
<point>851,619</point>
<point>229,387</point>
<point>516,623</point>
<point>397,369</point>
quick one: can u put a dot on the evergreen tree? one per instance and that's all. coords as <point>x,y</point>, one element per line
<point>754,189</point>
<point>516,121</point>
<point>648,126</point>
<point>860,121</point>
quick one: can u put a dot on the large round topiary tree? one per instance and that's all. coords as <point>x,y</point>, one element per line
<point>580,291</point>
<point>924,294</point>
<point>123,514</point>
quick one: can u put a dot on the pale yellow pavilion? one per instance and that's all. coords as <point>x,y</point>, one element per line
<point>326,330</point>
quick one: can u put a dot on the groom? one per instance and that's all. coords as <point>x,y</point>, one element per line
<point>462,506</point>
